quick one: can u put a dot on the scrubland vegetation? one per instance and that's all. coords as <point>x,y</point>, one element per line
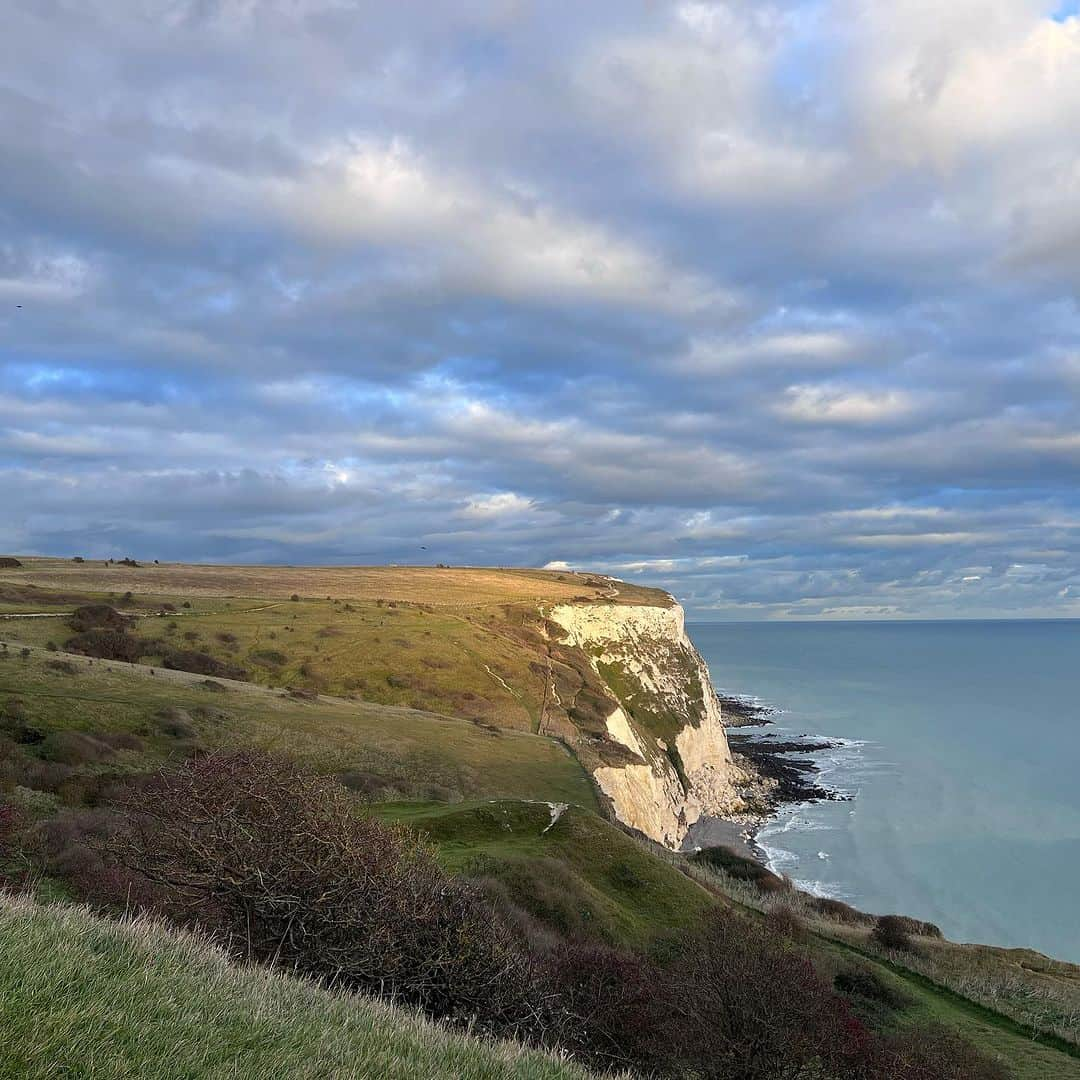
<point>448,864</point>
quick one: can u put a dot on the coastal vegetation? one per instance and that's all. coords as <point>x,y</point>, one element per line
<point>454,861</point>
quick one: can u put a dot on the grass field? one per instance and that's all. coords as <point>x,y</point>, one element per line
<point>85,997</point>
<point>463,642</point>
<point>424,689</point>
<point>584,874</point>
<point>441,586</point>
<point>580,872</point>
<point>405,750</point>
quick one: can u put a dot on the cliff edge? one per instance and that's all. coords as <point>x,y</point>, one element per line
<point>661,757</point>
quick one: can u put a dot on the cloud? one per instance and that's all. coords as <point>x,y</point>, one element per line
<point>835,405</point>
<point>774,305</point>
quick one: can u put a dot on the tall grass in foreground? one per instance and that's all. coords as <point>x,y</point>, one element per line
<point>82,996</point>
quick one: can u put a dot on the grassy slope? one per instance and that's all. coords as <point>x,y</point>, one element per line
<point>444,587</point>
<point>462,619</point>
<point>411,750</point>
<point>633,895</point>
<point>456,641</point>
<point>623,894</point>
<point>80,996</point>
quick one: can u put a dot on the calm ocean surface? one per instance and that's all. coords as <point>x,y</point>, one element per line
<point>962,751</point>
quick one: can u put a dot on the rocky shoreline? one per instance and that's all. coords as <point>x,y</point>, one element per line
<point>789,777</point>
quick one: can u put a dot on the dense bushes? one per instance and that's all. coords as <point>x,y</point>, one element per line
<point>105,636</point>
<point>742,869</point>
<point>107,643</point>
<point>201,663</point>
<point>279,865</point>
<point>96,617</point>
<point>893,932</point>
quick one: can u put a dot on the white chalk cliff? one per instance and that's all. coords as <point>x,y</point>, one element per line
<point>660,674</point>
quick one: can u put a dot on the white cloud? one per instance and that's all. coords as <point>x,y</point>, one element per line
<point>502,504</point>
<point>836,405</point>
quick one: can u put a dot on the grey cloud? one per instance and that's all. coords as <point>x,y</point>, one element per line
<point>742,299</point>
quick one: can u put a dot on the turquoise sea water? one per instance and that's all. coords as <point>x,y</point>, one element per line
<point>962,749</point>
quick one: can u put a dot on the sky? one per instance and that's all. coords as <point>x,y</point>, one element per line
<point>770,303</point>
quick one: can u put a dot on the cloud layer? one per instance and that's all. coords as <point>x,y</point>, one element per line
<point>771,303</point>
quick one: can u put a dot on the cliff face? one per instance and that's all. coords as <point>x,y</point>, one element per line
<point>663,759</point>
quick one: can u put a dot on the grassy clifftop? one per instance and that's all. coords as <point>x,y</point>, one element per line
<point>82,996</point>
<point>444,587</point>
<point>462,642</point>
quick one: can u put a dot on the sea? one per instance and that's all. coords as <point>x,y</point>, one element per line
<point>959,744</point>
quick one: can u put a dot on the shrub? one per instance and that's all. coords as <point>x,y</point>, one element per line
<point>783,922</point>
<point>51,646</point>
<point>73,847</point>
<point>933,1053</point>
<point>914,926</point>
<point>73,748</point>
<point>9,563</point>
<point>176,723</point>
<point>202,664</point>
<point>63,667</point>
<point>279,865</point>
<point>107,643</point>
<point>742,869</point>
<point>294,597</point>
<point>269,658</point>
<point>756,1010</point>
<point>95,616</point>
<point>837,909</point>
<point>893,932</point>
<point>860,981</point>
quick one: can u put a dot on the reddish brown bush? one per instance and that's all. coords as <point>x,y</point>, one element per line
<point>107,643</point>
<point>932,1053</point>
<point>893,932</point>
<point>280,865</point>
<point>753,1010</point>
<point>783,922</point>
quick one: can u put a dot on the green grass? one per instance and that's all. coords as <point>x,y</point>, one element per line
<point>410,750</point>
<point>84,997</point>
<point>582,871</point>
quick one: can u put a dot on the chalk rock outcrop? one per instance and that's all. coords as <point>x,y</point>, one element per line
<point>674,763</point>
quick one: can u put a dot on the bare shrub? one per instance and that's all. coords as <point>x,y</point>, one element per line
<point>279,865</point>
<point>933,1053</point>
